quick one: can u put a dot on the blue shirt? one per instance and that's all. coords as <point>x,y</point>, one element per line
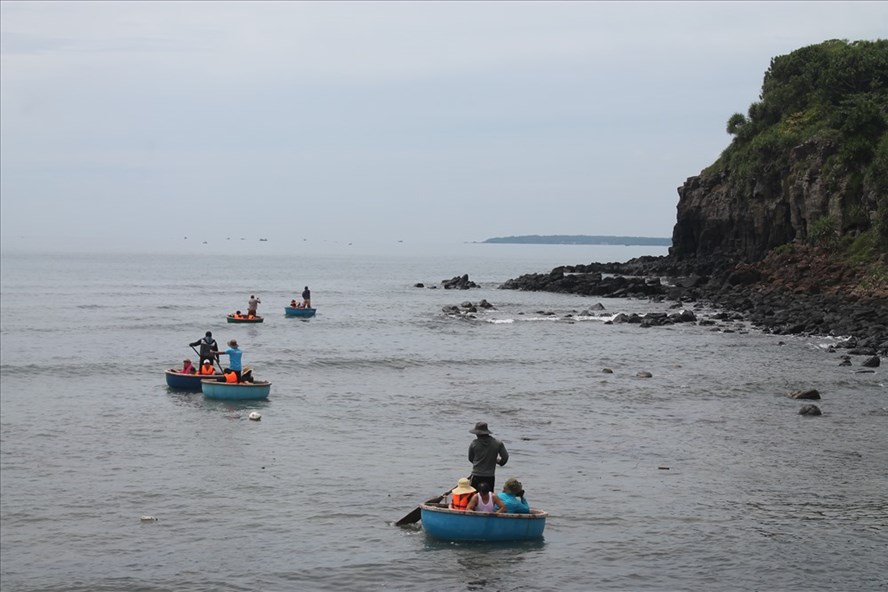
<point>514,505</point>
<point>234,356</point>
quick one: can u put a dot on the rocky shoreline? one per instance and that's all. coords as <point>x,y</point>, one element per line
<point>800,291</point>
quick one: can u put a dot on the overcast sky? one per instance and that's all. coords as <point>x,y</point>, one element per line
<point>139,123</point>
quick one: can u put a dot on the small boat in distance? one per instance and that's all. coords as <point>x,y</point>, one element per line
<point>440,522</point>
<point>187,382</point>
<point>232,318</point>
<point>235,391</point>
<point>295,311</point>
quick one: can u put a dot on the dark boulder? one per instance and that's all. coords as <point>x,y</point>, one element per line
<point>811,394</point>
<point>872,362</point>
<point>810,410</point>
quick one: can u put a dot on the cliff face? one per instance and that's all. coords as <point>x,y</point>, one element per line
<point>808,162</point>
<point>719,216</point>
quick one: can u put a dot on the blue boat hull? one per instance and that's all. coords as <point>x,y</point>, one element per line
<point>458,525</point>
<point>235,391</point>
<point>299,312</point>
<point>186,382</point>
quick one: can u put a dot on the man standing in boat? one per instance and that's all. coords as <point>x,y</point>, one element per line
<point>306,298</point>
<point>234,354</point>
<point>485,452</point>
<point>207,346</point>
<point>253,305</point>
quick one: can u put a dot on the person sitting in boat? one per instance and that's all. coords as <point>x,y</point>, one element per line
<point>293,304</point>
<point>237,314</point>
<point>247,375</point>
<point>187,368</point>
<point>207,368</point>
<point>461,494</point>
<point>484,500</point>
<point>512,498</point>
<point>229,376</point>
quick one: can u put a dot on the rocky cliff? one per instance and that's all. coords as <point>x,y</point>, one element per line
<point>718,216</point>
<point>808,163</point>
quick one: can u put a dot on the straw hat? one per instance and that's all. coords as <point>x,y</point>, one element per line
<point>462,486</point>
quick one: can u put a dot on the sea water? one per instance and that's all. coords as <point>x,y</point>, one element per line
<point>701,477</point>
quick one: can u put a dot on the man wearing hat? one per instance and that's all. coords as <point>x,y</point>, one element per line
<point>207,344</point>
<point>234,357</point>
<point>485,452</point>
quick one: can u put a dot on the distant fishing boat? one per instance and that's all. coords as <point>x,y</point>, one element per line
<point>441,522</point>
<point>187,382</point>
<point>295,311</point>
<point>235,391</point>
<point>244,319</point>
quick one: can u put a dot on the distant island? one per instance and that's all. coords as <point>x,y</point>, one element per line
<point>581,239</point>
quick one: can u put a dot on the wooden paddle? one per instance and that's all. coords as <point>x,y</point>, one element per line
<point>211,357</point>
<point>416,514</point>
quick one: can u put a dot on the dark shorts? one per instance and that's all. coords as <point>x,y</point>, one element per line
<point>476,479</point>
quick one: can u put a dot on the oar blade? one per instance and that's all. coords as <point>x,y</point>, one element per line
<point>412,518</point>
<point>416,514</point>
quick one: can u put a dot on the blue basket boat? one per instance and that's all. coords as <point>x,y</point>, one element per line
<point>235,391</point>
<point>187,382</point>
<point>443,523</point>
<point>292,311</point>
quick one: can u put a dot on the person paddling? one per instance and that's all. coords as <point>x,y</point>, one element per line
<point>207,344</point>
<point>234,357</point>
<point>485,452</point>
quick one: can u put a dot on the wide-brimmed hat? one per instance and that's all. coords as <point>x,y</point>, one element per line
<point>481,429</point>
<point>233,343</point>
<point>463,486</point>
<point>513,486</point>
<point>186,361</point>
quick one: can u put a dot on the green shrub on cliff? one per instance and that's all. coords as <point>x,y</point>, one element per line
<point>830,99</point>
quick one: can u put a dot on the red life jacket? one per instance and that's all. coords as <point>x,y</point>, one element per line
<point>460,501</point>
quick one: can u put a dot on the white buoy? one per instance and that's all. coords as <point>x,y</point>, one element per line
<point>254,415</point>
<point>148,519</point>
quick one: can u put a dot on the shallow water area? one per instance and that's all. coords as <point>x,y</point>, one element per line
<point>702,476</point>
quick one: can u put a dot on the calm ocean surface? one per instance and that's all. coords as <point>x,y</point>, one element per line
<point>703,477</point>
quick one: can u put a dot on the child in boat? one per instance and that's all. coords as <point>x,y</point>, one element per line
<point>484,500</point>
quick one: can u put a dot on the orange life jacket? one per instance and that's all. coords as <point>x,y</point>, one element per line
<point>231,377</point>
<point>249,316</point>
<point>206,369</point>
<point>460,501</point>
